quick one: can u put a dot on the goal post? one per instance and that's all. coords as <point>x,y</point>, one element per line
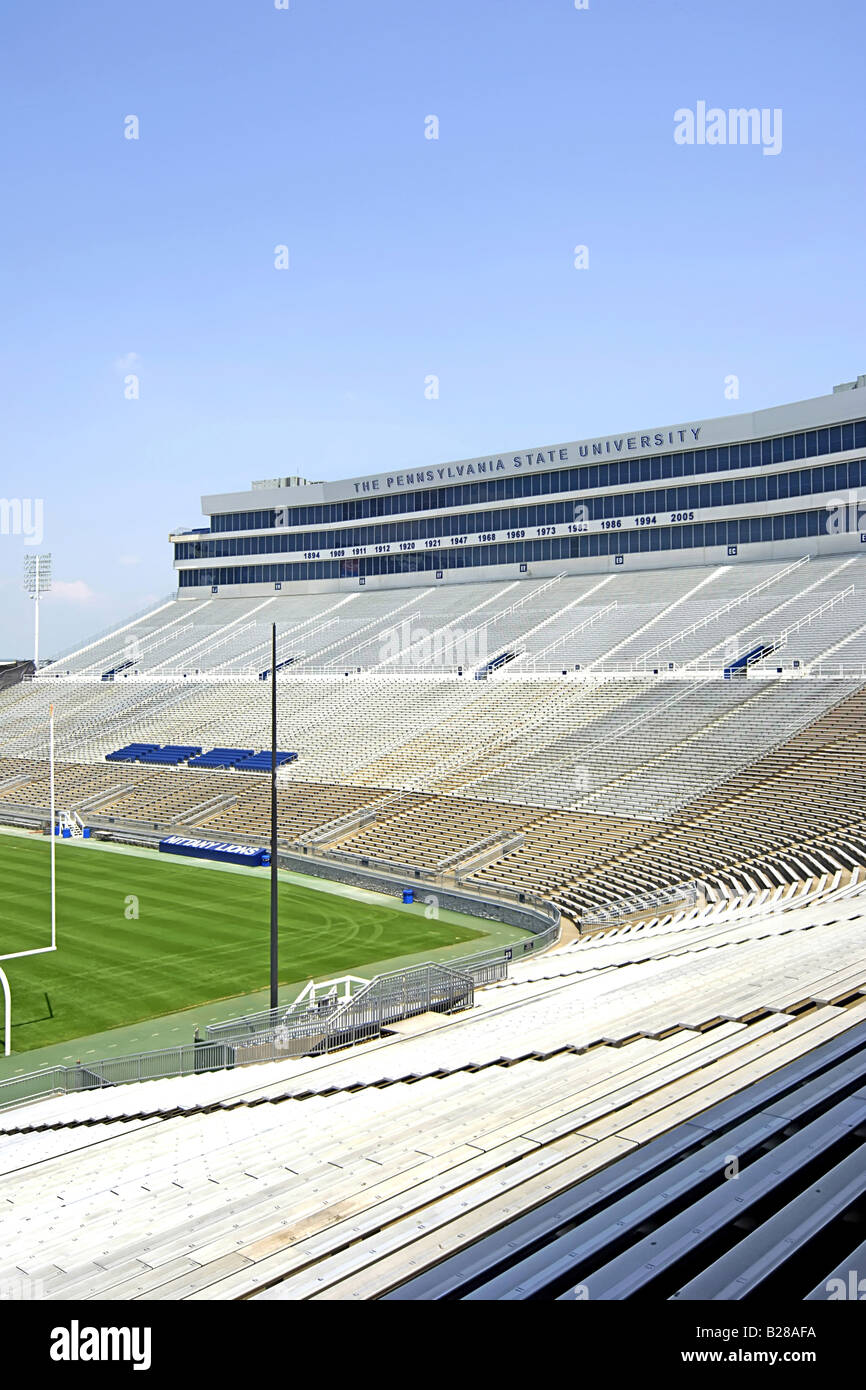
<point>35,950</point>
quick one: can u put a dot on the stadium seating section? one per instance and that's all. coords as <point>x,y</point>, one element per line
<point>672,758</point>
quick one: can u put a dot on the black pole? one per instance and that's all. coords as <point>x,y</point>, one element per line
<point>275,963</point>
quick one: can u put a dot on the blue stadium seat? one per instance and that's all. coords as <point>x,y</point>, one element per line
<point>171,754</point>
<point>130,753</point>
<point>261,762</point>
<point>221,757</point>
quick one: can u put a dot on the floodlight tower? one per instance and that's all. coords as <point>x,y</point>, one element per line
<point>275,909</point>
<point>37,581</point>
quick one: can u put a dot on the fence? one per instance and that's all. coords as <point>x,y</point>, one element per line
<point>482,969</point>
<point>684,895</point>
<point>385,999</point>
<point>296,1031</point>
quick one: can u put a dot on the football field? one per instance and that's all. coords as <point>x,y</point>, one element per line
<point>141,935</point>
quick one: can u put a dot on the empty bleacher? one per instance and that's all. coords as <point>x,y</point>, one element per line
<point>705,840</point>
<point>587,1088</point>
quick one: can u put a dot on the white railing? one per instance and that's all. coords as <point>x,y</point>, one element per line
<point>774,642</point>
<point>374,622</point>
<point>140,653</point>
<point>219,640</point>
<point>362,815</point>
<point>107,632</point>
<point>504,613</point>
<point>838,670</point>
<point>726,608</point>
<point>825,607</point>
<point>144,652</point>
<point>542,589</point>
<point>616,734</point>
<point>466,638</point>
<point>530,661</point>
<point>287,638</point>
<point>510,838</point>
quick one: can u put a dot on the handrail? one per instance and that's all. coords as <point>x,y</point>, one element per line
<point>499,837</point>
<point>223,634</point>
<point>359,646</point>
<point>112,631</point>
<point>442,627</point>
<point>643,902</point>
<point>386,998</point>
<point>494,619</point>
<point>816,612</point>
<point>286,638</point>
<point>350,818</point>
<point>587,622</point>
<point>616,734</point>
<point>228,635</point>
<point>379,618</point>
<point>534,593</point>
<point>726,608</point>
<point>143,651</point>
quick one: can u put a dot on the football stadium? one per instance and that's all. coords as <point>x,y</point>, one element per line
<point>544,766</point>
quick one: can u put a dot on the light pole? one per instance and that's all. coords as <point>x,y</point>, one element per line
<point>53,825</point>
<point>37,581</point>
<point>275,963</point>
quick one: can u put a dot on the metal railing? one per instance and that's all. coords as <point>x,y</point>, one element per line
<point>297,1033</point>
<point>300,1029</point>
<point>818,612</point>
<point>719,612</point>
<point>68,653</point>
<point>465,637</point>
<point>289,638</point>
<point>362,815</point>
<point>380,618</point>
<point>321,1025</point>
<point>838,670</point>
<point>684,895</point>
<point>507,840</point>
<point>531,660</point>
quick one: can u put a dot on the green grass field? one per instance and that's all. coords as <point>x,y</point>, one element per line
<point>201,934</point>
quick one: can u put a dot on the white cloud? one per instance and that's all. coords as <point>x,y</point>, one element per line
<point>73,589</point>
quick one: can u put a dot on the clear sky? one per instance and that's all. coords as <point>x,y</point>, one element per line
<point>408,256</point>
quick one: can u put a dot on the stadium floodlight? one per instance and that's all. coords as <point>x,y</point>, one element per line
<point>36,950</point>
<point>37,581</point>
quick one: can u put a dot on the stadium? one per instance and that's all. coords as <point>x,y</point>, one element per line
<point>570,863</point>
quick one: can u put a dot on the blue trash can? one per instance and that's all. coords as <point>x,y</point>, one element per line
<point>408,895</point>
<point>86,832</point>
<point>67,833</point>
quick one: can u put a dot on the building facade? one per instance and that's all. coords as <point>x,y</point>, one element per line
<point>771,484</point>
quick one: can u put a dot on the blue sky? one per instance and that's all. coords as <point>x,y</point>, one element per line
<point>408,256</point>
